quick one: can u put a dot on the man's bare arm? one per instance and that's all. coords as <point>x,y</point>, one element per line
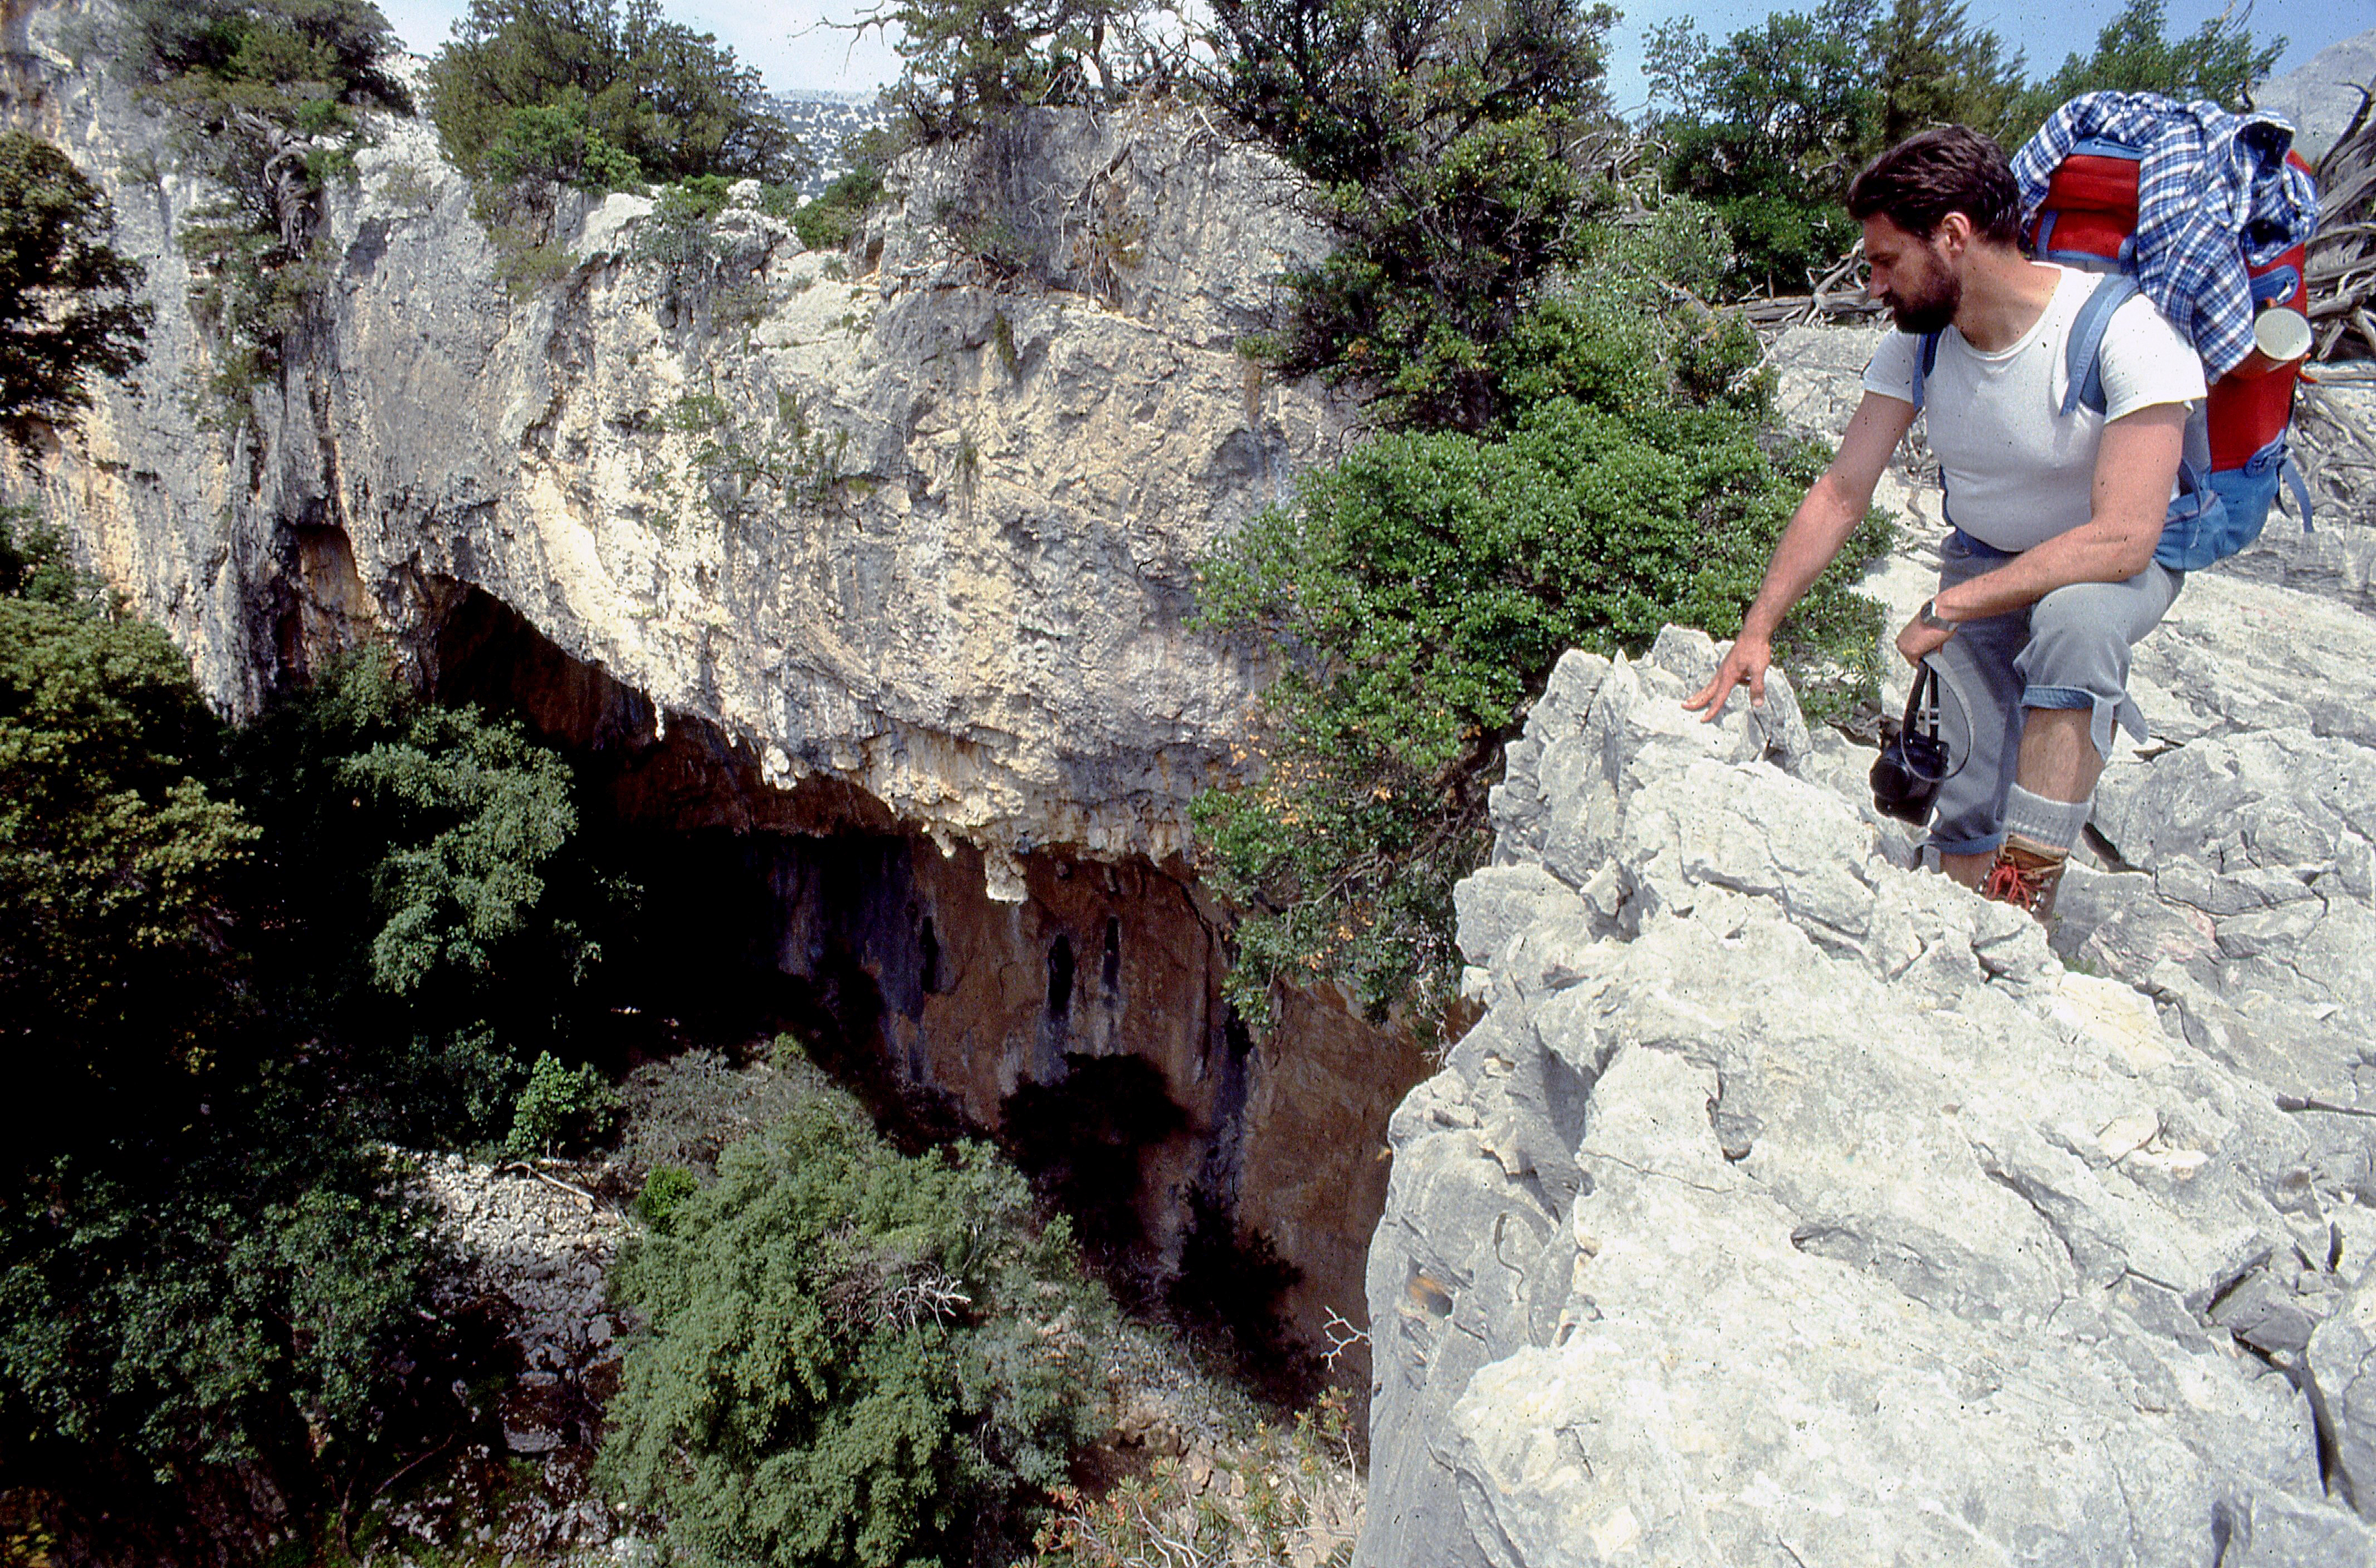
<point>1835,503</point>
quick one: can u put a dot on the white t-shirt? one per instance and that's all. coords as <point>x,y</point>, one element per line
<point>2017,472</point>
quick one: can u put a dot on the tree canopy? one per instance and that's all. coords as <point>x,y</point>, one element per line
<point>595,92</point>
<point>852,1356</point>
<point>213,1291</point>
<point>1444,145</point>
<point>69,299</point>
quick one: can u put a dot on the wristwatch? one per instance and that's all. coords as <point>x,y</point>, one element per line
<point>1930,617</point>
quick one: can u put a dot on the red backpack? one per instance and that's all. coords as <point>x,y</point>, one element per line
<point>2236,444</point>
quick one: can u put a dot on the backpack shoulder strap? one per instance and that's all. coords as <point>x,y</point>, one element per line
<point>2082,357</point>
<point>1925,358</point>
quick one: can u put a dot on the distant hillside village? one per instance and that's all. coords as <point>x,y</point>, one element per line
<point>824,121</point>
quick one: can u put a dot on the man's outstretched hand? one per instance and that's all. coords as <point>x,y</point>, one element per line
<point>1746,661</point>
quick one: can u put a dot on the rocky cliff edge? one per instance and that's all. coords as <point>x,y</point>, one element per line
<point>1789,1204</point>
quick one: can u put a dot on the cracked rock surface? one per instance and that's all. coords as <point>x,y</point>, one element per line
<point>1790,1204</point>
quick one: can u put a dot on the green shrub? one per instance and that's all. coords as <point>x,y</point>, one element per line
<point>831,221</point>
<point>562,1109</point>
<point>1445,145</point>
<point>557,143</point>
<point>1421,590</point>
<point>785,461</point>
<point>588,93</point>
<point>1767,128</point>
<point>527,267</point>
<point>676,239</point>
<point>851,1357</point>
<point>663,1191</point>
<point>34,565</point>
<point>445,921</point>
<point>214,1293</point>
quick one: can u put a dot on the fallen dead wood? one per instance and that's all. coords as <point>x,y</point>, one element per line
<point>2340,267</point>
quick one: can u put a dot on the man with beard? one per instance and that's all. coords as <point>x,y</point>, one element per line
<point>2048,576</point>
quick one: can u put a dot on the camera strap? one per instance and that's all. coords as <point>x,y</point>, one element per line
<point>1922,711</point>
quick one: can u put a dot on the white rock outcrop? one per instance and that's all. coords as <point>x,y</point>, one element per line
<point>890,517</point>
<point>1790,1204</point>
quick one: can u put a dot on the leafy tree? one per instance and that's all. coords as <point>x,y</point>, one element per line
<point>590,92</point>
<point>445,926</point>
<point>2219,61</point>
<point>1421,590</point>
<point>1935,68</point>
<point>972,61</point>
<point>851,1356</point>
<point>66,296</point>
<point>213,1291</point>
<point>114,859</point>
<point>1440,140</point>
<point>1767,128</point>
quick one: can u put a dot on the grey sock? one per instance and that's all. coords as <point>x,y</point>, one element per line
<point>2051,825</point>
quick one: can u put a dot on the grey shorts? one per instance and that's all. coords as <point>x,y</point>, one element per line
<point>2069,651</point>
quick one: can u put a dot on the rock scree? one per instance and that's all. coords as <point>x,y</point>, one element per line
<point>1788,1203</point>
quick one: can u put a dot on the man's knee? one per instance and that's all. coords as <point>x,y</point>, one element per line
<point>2075,643</point>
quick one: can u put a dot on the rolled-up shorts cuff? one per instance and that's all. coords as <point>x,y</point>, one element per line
<point>2106,711</point>
<point>1986,844</point>
<point>2069,650</point>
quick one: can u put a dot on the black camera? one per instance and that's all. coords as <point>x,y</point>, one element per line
<point>1913,758</point>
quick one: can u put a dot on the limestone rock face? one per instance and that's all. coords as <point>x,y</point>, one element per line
<point>1787,1203</point>
<point>918,518</point>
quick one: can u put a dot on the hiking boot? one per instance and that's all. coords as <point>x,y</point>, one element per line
<point>2025,877</point>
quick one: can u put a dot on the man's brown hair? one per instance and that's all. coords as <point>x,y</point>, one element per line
<point>1932,173</point>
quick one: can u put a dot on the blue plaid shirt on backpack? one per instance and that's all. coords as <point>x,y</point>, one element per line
<point>2212,189</point>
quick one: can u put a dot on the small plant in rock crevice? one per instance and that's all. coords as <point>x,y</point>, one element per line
<point>789,461</point>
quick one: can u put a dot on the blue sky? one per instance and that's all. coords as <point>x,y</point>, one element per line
<point>789,44</point>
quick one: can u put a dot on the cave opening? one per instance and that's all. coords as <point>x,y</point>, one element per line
<point>809,910</point>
